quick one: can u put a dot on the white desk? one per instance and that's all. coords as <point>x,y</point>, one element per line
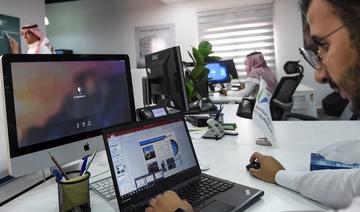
<point>218,98</point>
<point>227,159</point>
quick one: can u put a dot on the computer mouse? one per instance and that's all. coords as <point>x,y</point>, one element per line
<point>254,164</point>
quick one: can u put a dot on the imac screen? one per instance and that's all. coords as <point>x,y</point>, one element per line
<point>64,98</point>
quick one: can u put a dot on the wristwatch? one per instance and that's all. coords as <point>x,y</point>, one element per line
<point>179,210</point>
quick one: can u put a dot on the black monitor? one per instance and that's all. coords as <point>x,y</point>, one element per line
<point>231,68</point>
<point>64,51</point>
<point>165,79</point>
<point>60,104</point>
<point>218,72</point>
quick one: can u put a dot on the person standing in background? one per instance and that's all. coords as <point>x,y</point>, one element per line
<point>35,39</point>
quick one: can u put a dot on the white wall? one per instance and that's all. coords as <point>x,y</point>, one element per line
<point>29,12</point>
<point>92,26</point>
<point>288,39</point>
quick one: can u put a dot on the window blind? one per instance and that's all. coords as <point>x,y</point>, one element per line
<point>238,31</point>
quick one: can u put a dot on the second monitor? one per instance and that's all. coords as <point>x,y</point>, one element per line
<point>218,72</point>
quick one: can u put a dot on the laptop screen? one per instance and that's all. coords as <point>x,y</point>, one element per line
<point>149,153</point>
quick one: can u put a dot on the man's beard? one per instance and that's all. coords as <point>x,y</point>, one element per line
<point>350,80</point>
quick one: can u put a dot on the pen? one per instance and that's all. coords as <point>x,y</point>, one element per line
<point>7,35</point>
<point>83,165</point>
<point>91,159</point>
<point>58,166</point>
<point>57,175</point>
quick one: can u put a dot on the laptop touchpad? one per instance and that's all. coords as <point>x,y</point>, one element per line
<point>217,206</point>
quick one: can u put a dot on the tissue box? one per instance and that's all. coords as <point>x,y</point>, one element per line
<point>318,162</point>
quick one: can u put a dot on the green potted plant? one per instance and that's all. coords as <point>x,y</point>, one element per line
<point>196,79</point>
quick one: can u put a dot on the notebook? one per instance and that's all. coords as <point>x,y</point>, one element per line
<point>150,157</point>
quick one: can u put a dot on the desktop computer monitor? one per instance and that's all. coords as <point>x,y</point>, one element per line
<point>218,72</point>
<point>231,68</point>
<point>165,79</point>
<point>60,104</point>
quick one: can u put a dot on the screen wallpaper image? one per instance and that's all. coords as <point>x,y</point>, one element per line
<point>58,99</point>
<point>217,72</point>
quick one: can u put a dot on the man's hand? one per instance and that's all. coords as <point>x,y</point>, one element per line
<point>168,202</point>
<point>14,46</point>
<point>269,166</point>
<point>223,91</point>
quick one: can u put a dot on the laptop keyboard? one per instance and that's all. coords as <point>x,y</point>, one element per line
<point>105,188</point>
<point>201,189</point>
<point>196,191</point>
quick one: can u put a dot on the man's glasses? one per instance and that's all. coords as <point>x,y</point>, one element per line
<point>311,54</point>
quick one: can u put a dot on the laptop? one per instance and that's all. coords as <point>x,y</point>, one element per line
<point>150,157</point>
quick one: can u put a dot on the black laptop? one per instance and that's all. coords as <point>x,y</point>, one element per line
<point>156,155</point>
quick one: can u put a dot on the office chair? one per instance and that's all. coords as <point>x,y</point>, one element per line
<point>281,101</point>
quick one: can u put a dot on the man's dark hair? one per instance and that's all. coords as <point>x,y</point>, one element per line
<point>349,13</point>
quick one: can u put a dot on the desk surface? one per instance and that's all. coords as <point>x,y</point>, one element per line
<point>218,98</point>
<point>296,140</point>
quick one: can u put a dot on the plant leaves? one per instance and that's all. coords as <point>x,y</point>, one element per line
<point>199,58</point>
<point>199,73</point>
<point>190,90</point>
<point>195,73</point>
<point>205,48</point>
<point>212,58</point>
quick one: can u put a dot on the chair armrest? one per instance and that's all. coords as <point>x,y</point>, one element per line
<point>284,105</point>
<point>301,117</point>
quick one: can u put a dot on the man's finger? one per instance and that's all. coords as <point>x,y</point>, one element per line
<point>149,209</point>
<point>255,172</point>
<point>256,156</point>
<point>159,196</point>
<point>152,202</point>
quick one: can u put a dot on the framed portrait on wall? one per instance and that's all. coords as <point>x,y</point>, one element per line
<point>151,39</point>
<point>9,27</point>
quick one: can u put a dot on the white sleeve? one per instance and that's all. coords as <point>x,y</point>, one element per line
<point>335,188</point>
<point>44,50</point>
<point>250,87</point>
<point>354,207</point>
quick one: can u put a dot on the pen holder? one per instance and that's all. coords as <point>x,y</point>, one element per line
<point>74,193</point>
<point>220,117</point>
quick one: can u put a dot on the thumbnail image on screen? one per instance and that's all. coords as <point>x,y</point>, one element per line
<point>58,99</point>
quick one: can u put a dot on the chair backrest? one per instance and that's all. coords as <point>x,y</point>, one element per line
<point>281,101</point>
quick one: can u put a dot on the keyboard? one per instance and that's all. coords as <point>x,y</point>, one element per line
<point>195,191</point>
<point>104,188</point>
<point>201,189</point>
